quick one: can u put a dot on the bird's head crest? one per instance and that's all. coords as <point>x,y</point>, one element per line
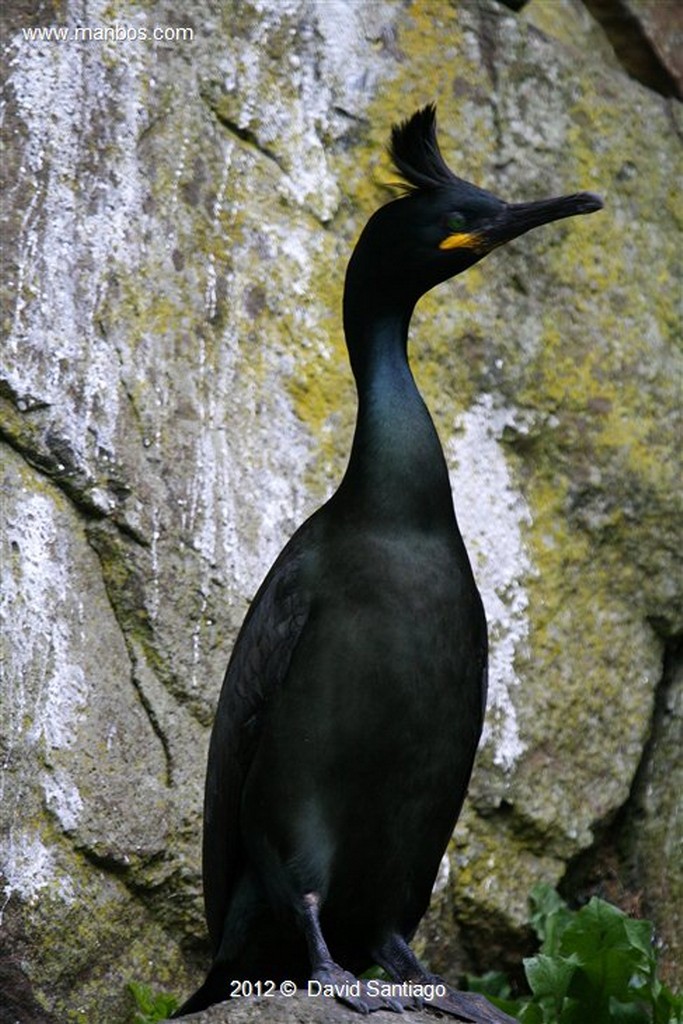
<point>442,224</point>
<point>415,153</point>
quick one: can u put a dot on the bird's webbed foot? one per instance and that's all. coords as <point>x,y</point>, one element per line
<point>396,957</point>
<point>333,980</point>
<point>339,984</point>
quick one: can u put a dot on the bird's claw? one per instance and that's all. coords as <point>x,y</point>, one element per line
<point>469,1007</point>
<point>353,992</point>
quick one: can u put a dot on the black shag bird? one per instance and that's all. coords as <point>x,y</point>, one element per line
<point>353,702</point>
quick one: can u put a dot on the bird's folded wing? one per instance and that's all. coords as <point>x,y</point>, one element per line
<point>258,666</point>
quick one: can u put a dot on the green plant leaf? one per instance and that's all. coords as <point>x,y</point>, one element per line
<point>532,1013</point>
<point>639,934</point>
<point>667,1006</point>
<point>628,1013</point>
<point>151,1006</point>
<point>549,917</point>
<point>549,977</point>
<point>493,983</point>
<point>599,938</point>
<point>595,927</point>
<point>595,966</point>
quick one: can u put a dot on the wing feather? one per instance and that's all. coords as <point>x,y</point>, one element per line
<point>258,666</point>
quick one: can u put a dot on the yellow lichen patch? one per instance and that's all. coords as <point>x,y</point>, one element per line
<point>321,386</point>
<point>486,864</point>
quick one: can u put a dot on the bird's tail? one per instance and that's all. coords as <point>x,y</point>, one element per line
<point>215,989</point>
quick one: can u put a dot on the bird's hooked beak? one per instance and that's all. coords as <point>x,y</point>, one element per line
<point>518,218</point>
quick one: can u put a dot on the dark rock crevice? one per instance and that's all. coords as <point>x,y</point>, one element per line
<point>18,1002</point>
<point>634,862</point>
<point>245,135</point>
<point>636,34</point>
<point>647,39</point>
<point>25,427</point>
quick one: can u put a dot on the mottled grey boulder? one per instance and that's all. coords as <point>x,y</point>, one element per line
<point>175,398</point>
<point>299,1009</point>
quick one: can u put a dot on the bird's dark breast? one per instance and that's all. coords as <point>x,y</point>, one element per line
<point>367,748</point>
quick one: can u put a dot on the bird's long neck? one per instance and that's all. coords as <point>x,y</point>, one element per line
<point>397,472</point>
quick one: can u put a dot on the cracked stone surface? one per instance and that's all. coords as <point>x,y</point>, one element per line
<point>175,398</point>
<point>301,1009</point>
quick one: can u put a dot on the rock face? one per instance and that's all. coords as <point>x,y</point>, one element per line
<point>300,1009</point>
<point>181,193</point>
<point>647,38</point>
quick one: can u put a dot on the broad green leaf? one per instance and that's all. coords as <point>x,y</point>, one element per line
<point>594,928</point>
<point>628,1013</point>
<point>493,983</point>
<point>668,1006</point>
<point>544,901</point>
<point>640,935</point>
<point>549,976</point>
<point>530,1014</point>
<point>604,975</point>
<point>595,966</point>
<point>549,917</point>
<point>576,1012</point>
<point>152,1006</point>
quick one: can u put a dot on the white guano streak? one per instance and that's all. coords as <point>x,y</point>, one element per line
<point>491,514</point>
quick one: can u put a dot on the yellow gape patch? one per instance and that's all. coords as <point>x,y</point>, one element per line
<point>462,240</point>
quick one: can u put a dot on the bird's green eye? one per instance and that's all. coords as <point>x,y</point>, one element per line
<point>455,222</point>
